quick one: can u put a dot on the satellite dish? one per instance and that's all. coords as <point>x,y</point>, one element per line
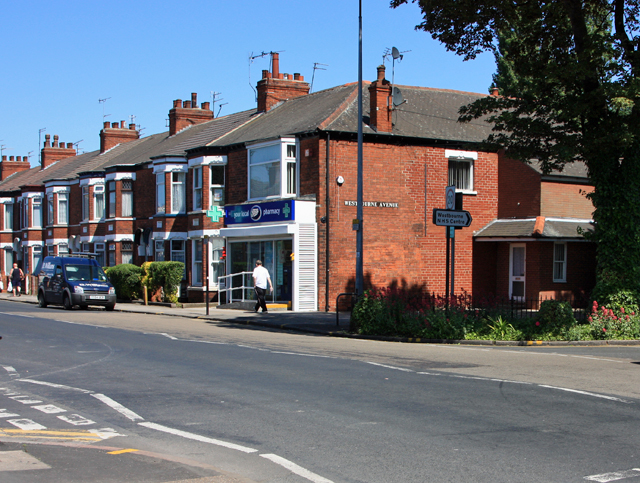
<point>395,53</point>
<point>397,97</point>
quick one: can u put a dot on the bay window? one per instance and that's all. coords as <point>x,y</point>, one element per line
<point>197,188</point>
<point>63,208</point>
<point>160,193</point>
<point>272,170</point>
<point>85,203</point>
<point>127,197</point>
<point>36,216</point>
<point>196,276</point>
<point>112,199</point>
<point>216,180</point>
<point>8,216</point>
<point>178,192</point>
<point>50,219</point>
<point>98,197</point>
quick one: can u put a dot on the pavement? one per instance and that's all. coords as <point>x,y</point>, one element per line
<point>324,323</point>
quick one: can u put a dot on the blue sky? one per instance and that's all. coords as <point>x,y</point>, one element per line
<point>60,58</point>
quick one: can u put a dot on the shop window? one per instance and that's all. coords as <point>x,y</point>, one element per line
<point>127,251</point>
<point>196,276</point>
<point>127,197</point>
<point>216,185</point>
<point>159,249</point>
<point>8,216</point>
<point>85,203</point>
<point>178,193</point>
<point>98,198</point>
<point>160,193</point>
<point>36,216</point>
<point>63,208</point>
<point>197,188</point>
<point>272,171</point>
<point>559,262</point>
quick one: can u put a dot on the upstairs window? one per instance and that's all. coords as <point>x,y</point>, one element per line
<point>197,188</point>
<point>25,212</point>
<point>160,193</point>
<point>98,197</point>
<point>50,209</point>
<point>216,185</point>
<point>461,169</point>
<point>112,199</point>
<point>178,193</point>
<point>8,216</point>
<point>36,216</point>
<point>85,203</point>
<point>63,208</point>
<point>272,171</point>
<point>127,197</point>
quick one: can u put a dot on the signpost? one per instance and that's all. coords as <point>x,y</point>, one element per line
<point>451,219</point>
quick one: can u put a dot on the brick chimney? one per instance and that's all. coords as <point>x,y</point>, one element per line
<point>7,168</point>
<point>111,136</point>
<point>55,152</point>
<point>380,102</point>
<point>187,113</point>
<point>275,87</point>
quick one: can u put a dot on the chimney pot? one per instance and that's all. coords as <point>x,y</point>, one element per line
<point>194,100</point>
<point>381,72</point>
<point>69,145</point>
<point>177,103</point>
<point>495,92</point>
<point>186,104</point>
<point>121,124</point>
<point>265,74</point>
<point>55,140</point>
<point>10,158</point>
<point>19,159</point>
<point>275,65</point>
<point>105,125</point>
<point>47,140</point>
<point>132,127</point>
<point>206,106</point>
<point>296,76</point>
<point>4,158</point>
<point>114,125</point>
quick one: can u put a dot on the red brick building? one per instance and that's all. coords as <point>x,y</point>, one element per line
<point>278,183</point>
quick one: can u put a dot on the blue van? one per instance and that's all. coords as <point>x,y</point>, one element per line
<point>74,280</point>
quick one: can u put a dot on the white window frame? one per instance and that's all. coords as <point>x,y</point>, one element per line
<point>36,213</point>
<point>179,253</point>
<point>63,248</point>
<point>216,190</point>
<point>462,160</point>
<point>98,193</point>
<point>196,262</point>
<point>560,265</point>
<point>278,159</point>
<point>197,188</point>
<point>112,205</point>
<point>99,248</point>
<point>126,247</point>
<point>25,212</point>
<point>50,213</point>
<point>85,203</point>
<point>161,194</point>
<point>8,260</point>
<point>36,256</point>
<point>63,199</point>
<point>8,216</point>
<point>158,246</point>
<point>178,192</point>
<point>127,198</point>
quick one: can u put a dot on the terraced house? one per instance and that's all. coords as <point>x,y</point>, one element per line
<point>278,183</point>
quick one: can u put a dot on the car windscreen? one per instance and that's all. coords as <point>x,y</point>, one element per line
<point>84,273</point>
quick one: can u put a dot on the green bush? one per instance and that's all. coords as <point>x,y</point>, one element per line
<point>165,275</point>
<point>555,317</point>
<point>126,280</point>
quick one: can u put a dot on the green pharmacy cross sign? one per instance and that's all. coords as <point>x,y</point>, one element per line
<point>215,213</point>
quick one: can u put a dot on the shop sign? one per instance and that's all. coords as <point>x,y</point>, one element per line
<point>268,212</point>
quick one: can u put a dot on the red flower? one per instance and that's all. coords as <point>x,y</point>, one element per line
<point>590,319</point>
<point>538,323</point>
<point>622,309</point>
<point>604,330</point>
<point>627,317</point>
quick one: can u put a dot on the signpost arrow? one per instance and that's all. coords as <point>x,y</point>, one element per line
<point>451,218</point>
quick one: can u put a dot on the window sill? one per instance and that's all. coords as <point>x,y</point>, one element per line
<point>467,192</point>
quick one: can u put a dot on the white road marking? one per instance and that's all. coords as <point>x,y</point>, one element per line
<point>602,396</point>
<point>10,370</point>
<point>616,475</point>
<point>25,400</point>
<point>303,355</point>
<point>49,409</point>
<point>294,468</point>
<point>5,414</point>
<point>127,413</point>
<point>197,437</point>
<point>389,367</point>
<point>105,433</point>
<point>26,424</point>
<point>169,336</point>
<point>76,420</point>
<point>57,386</point>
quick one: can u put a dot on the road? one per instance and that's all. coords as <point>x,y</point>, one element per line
<point>131,397</point>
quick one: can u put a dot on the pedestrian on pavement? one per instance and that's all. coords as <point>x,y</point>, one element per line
<point>17,276</point>
<point>260,279</point>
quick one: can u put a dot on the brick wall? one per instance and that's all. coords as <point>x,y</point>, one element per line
<point>563,199</point>
<point>519,185</point>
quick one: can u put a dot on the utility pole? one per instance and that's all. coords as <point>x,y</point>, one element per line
<point>360,201</point>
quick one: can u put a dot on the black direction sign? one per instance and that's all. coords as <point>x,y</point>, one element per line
<point>451,218</point>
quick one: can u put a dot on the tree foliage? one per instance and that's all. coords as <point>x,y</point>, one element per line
<point>567,71</point>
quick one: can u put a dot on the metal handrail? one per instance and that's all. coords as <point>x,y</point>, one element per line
<point>229,288</point>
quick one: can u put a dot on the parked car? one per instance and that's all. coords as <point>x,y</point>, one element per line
<point>74,280</point>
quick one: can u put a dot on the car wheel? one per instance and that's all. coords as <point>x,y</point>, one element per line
<point>84,307</point>
<point>66,302</point>
<point>110,307</point>
<point>41,301</point>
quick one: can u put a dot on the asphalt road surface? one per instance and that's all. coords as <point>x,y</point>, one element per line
<point>101,397</point>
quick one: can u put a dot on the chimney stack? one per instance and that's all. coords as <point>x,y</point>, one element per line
<point>7,168</point>
<point>52,153</point>
<point>187,113</point>
<point>380,103</point>
<point>117,133</point>
<point>274,87</point>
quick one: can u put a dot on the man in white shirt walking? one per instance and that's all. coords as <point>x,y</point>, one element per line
<point>260,279</point>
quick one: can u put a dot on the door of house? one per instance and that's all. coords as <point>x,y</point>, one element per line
<point>517,271</point>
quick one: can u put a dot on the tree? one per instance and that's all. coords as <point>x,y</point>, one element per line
<point>567,71</point>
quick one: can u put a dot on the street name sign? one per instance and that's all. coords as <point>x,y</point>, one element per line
<point>451,218</point>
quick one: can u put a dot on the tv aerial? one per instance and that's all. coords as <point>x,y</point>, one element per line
<point>396,94</point>
<point>315,67</point>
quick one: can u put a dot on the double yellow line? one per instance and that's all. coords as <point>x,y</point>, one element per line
<point>50,435</point>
